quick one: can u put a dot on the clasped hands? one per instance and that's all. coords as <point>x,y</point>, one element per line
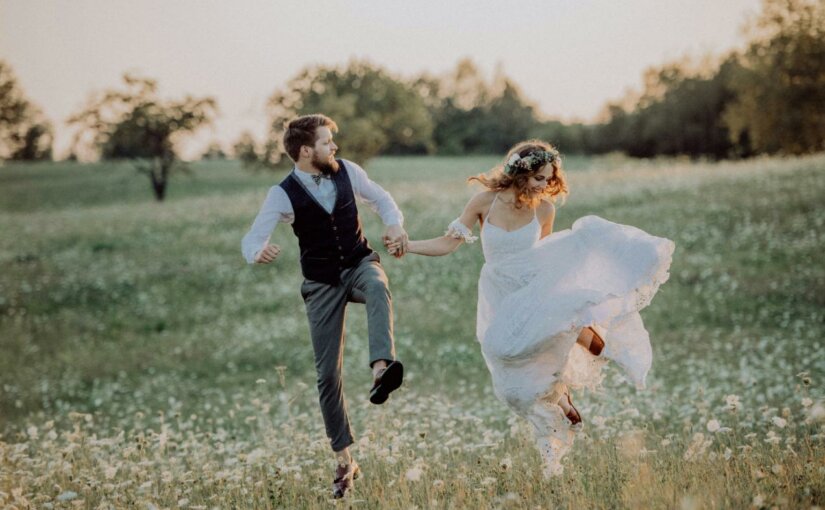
<point>396,240</point>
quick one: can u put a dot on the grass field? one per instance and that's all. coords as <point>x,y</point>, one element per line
<point>143,364</point>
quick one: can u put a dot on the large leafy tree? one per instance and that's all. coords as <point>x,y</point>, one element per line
<point>780,84</point>
<point>137,125</point>
<point>474,116</point>
<point>25,134</point>
<point>375,111</point>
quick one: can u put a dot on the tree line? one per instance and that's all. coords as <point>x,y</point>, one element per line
<point>766,99</point>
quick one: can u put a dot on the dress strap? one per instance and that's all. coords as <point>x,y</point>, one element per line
<point>491,207</point>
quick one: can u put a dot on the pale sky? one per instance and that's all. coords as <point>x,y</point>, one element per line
<point>569,56</point>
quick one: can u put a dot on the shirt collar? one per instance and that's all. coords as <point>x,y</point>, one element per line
<point>303,175</point>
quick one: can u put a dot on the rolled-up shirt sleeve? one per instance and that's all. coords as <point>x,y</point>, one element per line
<point>276,209</point>
<point>376,197</point>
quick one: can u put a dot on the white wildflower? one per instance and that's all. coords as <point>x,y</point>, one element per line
<point>67,496</point>
<point>32,432</point>
<point>713,426</point>
<point>816,413</point>
<point>779,422</point>
<point>506,463</point>
<point>733,403</point>
<point>413,474</point>
<point>773,437</point>
<point>758,500</point>
<point>807,402</point>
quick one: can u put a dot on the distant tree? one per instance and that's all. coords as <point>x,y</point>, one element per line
<point>568,138</point>
<point>375,111</point>
<point>780,83</point>
<point>679,111</point>
<point>135,124</point>
<point>213,152</point>
<point>25,134</point>
<point>244,149</point>
<point>474,116</point>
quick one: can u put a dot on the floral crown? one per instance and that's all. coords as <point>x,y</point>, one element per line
<point>536,159</point>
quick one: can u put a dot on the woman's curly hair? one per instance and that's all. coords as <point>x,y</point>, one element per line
<point>498,179</point>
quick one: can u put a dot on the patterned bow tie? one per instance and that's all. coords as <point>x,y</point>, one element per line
<point>316,178</point>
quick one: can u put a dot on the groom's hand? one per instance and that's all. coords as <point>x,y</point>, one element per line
<point>395,239</point>
<point>268,254</point>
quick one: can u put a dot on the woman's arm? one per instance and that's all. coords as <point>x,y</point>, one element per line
<point>457,233</point>
<point>435,247</point>
<point>546,213</point>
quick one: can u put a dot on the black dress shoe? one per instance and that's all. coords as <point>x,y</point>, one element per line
<point>387,381</point>
<point>344,475</point>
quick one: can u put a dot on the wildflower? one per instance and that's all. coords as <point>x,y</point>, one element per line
<point>816,413</point>
<point>773,438</point>
<point>758,500</point>
<point>505,463</point>
<point>260,381</point>
<point>67,496</point>
<point>777,469</point>
<point>413,474</point>
<point>779,422</point>
<point>713,426</point>
<point>733,403</point>
<point>438,484</point>
<point>807,402</point>
<point>32,432</point>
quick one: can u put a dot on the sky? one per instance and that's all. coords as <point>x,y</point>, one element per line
<point>570,57</point>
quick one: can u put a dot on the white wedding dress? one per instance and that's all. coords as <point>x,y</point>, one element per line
<point>536,295</point>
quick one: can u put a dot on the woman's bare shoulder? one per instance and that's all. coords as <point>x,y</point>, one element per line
<point>482,198</point>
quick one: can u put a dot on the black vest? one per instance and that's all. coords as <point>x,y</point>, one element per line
<point>329,243</point>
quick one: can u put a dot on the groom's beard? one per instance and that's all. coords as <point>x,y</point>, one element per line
<point>324,166</point>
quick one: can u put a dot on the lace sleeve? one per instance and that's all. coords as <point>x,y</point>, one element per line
<point>458,230</point>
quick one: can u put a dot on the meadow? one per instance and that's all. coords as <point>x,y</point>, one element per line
<point>143,364</point>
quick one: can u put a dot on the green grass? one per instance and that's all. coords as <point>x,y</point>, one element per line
<point>122,315</point>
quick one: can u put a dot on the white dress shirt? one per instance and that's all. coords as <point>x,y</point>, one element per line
<point>277,208</point>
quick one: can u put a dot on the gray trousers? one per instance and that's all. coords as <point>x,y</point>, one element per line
<point>326,309</point>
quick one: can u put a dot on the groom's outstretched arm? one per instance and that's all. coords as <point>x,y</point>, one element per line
<point>380,201</point>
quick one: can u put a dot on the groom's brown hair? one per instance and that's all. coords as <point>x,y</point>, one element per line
<point>301,131</point>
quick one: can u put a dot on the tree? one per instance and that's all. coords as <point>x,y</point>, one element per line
<point>474,116</point>
<point>375,111</point>
<point>135,124</point>
<point>25,134</point>
<point>213,152</point>
<point>780,83</point>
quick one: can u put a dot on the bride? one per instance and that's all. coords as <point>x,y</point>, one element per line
<point>552,308</point>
